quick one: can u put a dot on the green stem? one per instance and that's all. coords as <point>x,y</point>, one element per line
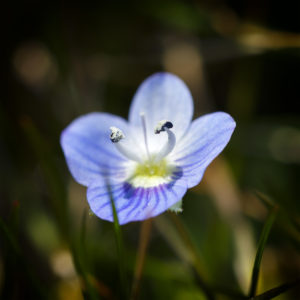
<point>120,248</point>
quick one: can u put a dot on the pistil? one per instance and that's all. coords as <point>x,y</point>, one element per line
<point>143,118</point>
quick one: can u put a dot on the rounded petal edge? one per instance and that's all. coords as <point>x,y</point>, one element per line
<point>88,150</point>
<point>204,141</point>
<point>162,96</point>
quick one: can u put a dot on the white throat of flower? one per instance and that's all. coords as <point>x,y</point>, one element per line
<point>152,168</point>
<point>117,137</point>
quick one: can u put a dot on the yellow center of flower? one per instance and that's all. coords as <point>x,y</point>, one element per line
<point>150,169</point>
<point>149,174</point>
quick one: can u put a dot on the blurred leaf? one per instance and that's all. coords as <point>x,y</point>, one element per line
<point>13,244</point>
<point>189,293</point>
<point>52,176</point>
<point>83,235</point>
<point>196,263</point>
<point>10,237</point>
<point>181,15</point>
<point>261,246</point>
<point>43,232</point>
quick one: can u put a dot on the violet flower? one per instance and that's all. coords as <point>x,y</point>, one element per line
<point>149,161</point>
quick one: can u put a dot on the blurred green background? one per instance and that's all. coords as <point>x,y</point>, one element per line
<point>62,60</point>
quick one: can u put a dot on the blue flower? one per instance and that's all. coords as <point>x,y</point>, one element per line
<point>150,161</point>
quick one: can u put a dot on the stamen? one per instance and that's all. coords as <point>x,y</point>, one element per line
<point>142,115</point>
<point>116,134</point>
<point>116,137</point>
<point>164,125</point>
<point>161,125</point>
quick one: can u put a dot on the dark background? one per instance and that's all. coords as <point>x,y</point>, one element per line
<point>62,60</point>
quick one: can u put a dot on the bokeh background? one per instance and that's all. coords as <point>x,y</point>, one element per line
<point>59,61</point>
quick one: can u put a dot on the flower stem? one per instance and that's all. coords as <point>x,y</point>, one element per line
<point>120,248</point>
<point>141,255</point>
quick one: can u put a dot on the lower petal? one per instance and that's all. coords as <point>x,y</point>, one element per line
<point>134,203</point>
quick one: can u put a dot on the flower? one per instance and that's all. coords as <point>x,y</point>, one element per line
<point>148,163</point>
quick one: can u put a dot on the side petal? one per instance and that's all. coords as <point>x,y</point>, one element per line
<point>134,204</point>
<point>162,96</point>
<point>88,150</point>
<point>206,138</point>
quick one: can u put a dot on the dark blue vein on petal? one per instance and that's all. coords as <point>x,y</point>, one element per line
<point>147,197</point>
<point>122,190</point>
<point>138,202</point>
<point>156,198</point>
<point>130,197</point>
<point>163,192</point>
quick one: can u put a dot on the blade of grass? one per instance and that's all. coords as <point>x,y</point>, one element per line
<point>197,264</point>
<point>270,294</point>
<point>288,221</point>
<point>120,247</point>
<point>141,255</point>
<point>267,201</point>
<point>260,249</point>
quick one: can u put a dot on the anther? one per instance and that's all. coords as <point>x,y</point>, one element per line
<point>122,146</point>
<point>162,125</point>
<point>116,134</point>
<point>165,125</point>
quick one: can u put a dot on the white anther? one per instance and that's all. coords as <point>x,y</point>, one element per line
<point>122,146</point>
<point>116,134</point>
<point>162,125</point>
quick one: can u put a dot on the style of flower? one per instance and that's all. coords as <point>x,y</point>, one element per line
<point>146,164</point>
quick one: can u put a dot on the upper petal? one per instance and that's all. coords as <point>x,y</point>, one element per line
<point>88,150</point>
<point>162,96</point>
<point>206,138</point>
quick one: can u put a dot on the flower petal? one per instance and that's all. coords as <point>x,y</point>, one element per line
<point>134,204</point>
<point>88,150</point>
<point>207,137</point>
<point>162,96</point>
